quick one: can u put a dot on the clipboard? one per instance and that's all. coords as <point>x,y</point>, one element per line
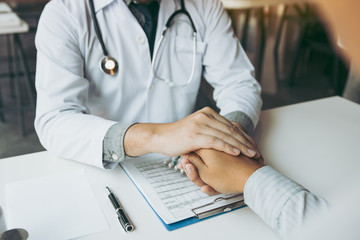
<point>199,213</point>
<point>203,215</point>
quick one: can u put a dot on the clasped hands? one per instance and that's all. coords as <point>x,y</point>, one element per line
<point>217,154</point>
<point>218,172</point>
<point>200,130</point>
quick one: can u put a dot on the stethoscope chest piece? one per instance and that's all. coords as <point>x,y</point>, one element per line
<point>109,65</point>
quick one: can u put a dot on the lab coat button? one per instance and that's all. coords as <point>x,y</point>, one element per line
<point>114,156</point>
<point>151,87</point>
<point>141,39</point>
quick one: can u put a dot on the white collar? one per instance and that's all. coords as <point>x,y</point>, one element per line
<point>100,4</point>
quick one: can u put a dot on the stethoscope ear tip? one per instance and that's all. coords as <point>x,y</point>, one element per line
<point>109,65</point>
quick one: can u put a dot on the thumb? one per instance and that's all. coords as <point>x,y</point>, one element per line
<point>192,170</point>
<point>196,161</point>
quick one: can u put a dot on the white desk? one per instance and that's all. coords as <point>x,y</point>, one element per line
<point>318,137</point>
<point>310,142</point>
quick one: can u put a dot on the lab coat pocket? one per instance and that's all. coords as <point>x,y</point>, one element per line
<point>176,61</point>
<point>184,51</point>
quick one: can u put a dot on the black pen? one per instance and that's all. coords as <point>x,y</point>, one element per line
<point>123,219</point>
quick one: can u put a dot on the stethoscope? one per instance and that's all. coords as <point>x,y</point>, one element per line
<point>109,65</point>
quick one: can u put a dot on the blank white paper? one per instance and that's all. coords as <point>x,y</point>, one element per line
<point>55,207</point>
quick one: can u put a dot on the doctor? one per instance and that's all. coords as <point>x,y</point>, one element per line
<point>112,84</point>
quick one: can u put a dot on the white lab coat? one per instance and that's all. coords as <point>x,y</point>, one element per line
<point>77,103</point>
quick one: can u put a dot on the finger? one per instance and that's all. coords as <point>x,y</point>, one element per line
<point>196,161</point>
<point>222,134</point>
<point>183,161</point>
<point>252,142</point>
<point>208,142</point>
<point>260,160</point>
<point>255,147</point>
<point>258,155</point>
<point>193,175</point>
<point>180,165</point>
<point>230,135</point>
<point>229,132</point>
<point>211,113</point>
<point>209,190</point>
<point>249,138</point>
<point>243,130</point>
<point>245,143</point>
<point>217,140</point>
<point>214,121</point>
<point>249,152</point>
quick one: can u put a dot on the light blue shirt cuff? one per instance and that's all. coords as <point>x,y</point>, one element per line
<point>283,204</point>
<point>266,193</point>
<point>243,119</point>
<point>113,145</point>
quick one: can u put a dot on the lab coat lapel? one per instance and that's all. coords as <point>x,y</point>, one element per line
<point>100,4</point>
<point>167,7</point>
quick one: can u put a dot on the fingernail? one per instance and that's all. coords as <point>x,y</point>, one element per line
<point>251,152</point>
<point>188,168</point>
<point>179,165</point>
<point>237,151</point>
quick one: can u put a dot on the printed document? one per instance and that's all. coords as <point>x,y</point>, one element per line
<point>171,194</point>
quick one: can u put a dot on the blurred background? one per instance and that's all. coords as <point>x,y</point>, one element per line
<point>286,40</point>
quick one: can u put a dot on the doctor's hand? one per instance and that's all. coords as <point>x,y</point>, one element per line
<point>202,129</point>
<point>217,172</point>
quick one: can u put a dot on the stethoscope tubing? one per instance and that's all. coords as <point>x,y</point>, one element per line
<point>114,70</point>
<point>170,83</point>
<point>97,28</point>
<point>167,26</point>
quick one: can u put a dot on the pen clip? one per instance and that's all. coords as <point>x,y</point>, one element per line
<point>113,200</point>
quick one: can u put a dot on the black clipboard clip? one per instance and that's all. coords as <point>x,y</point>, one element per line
<point>208,210</point>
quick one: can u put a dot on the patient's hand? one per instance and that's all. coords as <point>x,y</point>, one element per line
<point>217,172</point>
